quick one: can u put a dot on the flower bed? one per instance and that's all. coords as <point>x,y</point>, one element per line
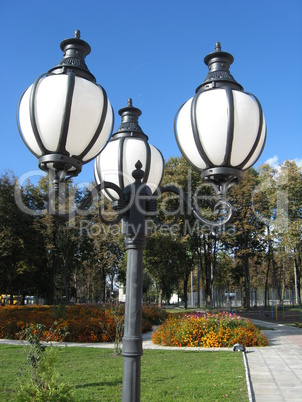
<point>208,330</point>
<point>84,323</point>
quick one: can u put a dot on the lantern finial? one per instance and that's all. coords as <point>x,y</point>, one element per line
<point>218,47</point>
<point>138,173</point>
<point>75,50</point>
<point>219,70</point>
<point>130,115</point>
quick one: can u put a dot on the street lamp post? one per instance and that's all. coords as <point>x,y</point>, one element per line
<point>115,164</point>
<point>134,231</point>
<point>220,131</point>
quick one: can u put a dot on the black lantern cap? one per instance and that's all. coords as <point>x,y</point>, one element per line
<point>219,63</point>
<point>129,126</point>
<point>75,50</point>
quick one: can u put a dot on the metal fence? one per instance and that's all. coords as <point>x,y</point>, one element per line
<point>236,298</point>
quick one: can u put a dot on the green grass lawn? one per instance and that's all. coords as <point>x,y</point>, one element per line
<point>96,374</point>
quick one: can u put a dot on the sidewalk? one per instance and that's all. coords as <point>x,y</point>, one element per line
<point>274,373</point>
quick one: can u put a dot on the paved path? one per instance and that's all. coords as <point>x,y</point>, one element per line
<point>274,373</point>
<point>276,370</point>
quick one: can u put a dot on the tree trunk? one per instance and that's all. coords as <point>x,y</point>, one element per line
<point>186,280</point>
<point>297,281</point>
<point>104,284</point>
<point>277,284</point>
<point>160,297</point>
<point>23,294</point>
<point>198,284</point>
<point>283,281</point>
<point>247,282</point>
<point>213,269</point>
<point>207,287</point>
<point>66,281</point>
<point>266,285</point>
<point>271,258</point>
<point>212,285</point>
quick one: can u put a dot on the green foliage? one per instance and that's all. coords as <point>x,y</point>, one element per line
<point>75,261</point>
<point>44,384</point>
<point>166,259</point>
<point>20,256</point>
<point>59,311</point>
<point>33,335</point>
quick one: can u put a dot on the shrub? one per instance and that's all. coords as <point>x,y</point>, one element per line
<point>154,315</point>
<point>85,323</point>
<point>208,330</point>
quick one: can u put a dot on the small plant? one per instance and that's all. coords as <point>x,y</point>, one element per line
<point>119,329</point>
<point>43,385</point>
<point>114,329</point>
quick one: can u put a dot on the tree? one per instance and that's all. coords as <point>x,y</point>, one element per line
<point>202,242</point>
<point>289,182</point>
<point>21,259</point>
<point>267,212</point>
<point>101,250</point>
<point>245,242</point>
<point>167,260</point>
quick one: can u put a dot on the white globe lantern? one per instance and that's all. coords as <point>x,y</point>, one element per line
<point>128,145</point>
<point>221,131</point>
<point>65,117</point>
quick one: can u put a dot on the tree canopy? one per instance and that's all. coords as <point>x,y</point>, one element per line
<point>82,259</point>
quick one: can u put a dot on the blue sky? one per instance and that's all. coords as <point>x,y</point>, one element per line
<point>153,51</point>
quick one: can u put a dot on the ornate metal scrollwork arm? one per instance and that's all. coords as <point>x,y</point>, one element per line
<point>222,205</point>
<point>119,205</point>
<point>56,198</point>
<point>222,209</point>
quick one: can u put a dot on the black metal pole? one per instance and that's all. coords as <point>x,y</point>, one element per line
<point>134,231</point>
<point>132,340</point>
